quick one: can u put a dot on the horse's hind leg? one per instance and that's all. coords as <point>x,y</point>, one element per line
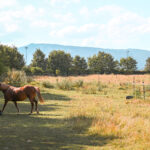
<point>5,103</point>
<point>36,106</point>
<point>32,106</point>
<point>16,106</point>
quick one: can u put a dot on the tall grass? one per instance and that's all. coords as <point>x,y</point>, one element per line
<point>106,79</point>
<point>130,123</point>
<point>64,84</point>
<point>47,84</point>
<point>93,87</point>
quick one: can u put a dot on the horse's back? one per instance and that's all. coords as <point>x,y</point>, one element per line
<point>21,93</point>
<point>18,94</point>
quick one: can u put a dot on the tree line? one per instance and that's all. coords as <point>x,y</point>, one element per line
<point>59,62</point>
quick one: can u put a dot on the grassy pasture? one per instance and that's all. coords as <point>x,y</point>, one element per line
<point>75,119</point>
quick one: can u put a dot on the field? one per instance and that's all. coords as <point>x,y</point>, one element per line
<point>86,112</point>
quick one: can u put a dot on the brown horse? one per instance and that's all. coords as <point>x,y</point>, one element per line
<point>19,94</point>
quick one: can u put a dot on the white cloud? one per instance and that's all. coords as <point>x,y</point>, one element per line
<point>122,26</point>
<point>84,11</point>
<point>66,31</point>
<point>7,3</point>
<point>88,27</point>
<point>66,18</point>
<point>63,2</point>
<point>11,27</point>
<point>127,25</point>
<point>13,18</point>
<point>30,12</point>
<point>45,24</point>
<point>75,31</point>
<point>112,10</point>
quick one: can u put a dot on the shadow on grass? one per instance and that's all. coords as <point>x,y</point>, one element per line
<point>31,132</point>
<point>49,96</point>
<point>45,131</point>
<point>25,109</point>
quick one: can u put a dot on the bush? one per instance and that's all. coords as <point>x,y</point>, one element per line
<point>29,79</point>
<point>78,83</point>
<point>47,84</point>
<point>89,89</point>
<point>15,78</point>
<point>93,88</point>
<point>99,86</point>
<point>64,85</point>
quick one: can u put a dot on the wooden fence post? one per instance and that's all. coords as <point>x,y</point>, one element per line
<point>143,90</point>
<point>134,93</point>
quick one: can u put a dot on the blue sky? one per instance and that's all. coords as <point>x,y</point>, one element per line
<point>96,23</point>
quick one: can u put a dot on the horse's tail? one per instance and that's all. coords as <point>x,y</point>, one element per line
<point>39,95</point>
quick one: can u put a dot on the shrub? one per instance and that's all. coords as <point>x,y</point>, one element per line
<point>78,83</point>
<point>29,79</point>
<point>64,85</point>
<point>47,84</point>
<point>93,87</point>
<point>89,89</point>
<point>99,86</point>
<point>16,78</point>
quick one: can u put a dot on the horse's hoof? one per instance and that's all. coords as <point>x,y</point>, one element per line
<point>30,114</point>
<point>0,112</point>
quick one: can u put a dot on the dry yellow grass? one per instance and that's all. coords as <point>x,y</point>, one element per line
<point>106,116</point>
<point>114,79</point>
<point>127,124</point>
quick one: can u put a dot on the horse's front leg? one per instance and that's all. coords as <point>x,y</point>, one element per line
<point>16,106</point>
<point>5,103</point>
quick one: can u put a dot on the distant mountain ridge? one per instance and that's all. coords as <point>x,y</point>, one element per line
<point>138,54</point>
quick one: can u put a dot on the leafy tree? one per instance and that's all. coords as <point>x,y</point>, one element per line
<point>39,60</point>
<point>3,67</point>
<point>79,65</point>
<point>102,63</point>
<point>128,65</point>
<point>59,60</point>
<point>27,70</point>
<point>147,65</point>
<point>36,70</point>
<point>11,57</point>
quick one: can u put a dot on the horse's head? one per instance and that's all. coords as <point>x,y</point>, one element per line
<point>0,85</point>
<point>3,86</point>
